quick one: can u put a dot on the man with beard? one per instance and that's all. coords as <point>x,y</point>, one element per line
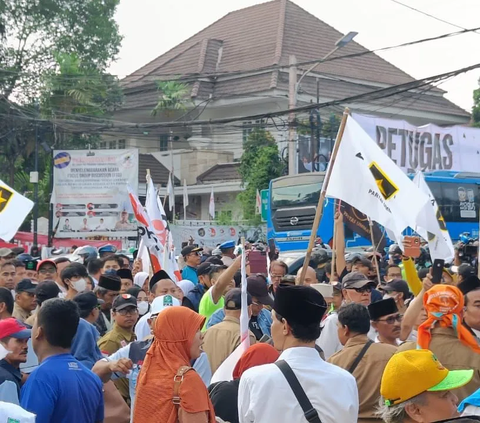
<point>386,320</point>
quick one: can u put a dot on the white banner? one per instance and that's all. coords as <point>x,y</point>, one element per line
<point>90,197</point>
<point>426,148</point>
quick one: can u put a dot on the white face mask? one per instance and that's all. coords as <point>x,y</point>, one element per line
<point>387,296</point>
<point>143,307</point>
<point>80,285</point>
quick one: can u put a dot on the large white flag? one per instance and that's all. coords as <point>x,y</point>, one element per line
<point>225,371</point>
<point>211,206</point>
<point>156,213</point>
<point>432,226</point>
<point>14,208</point>
<point>171,194</point>
<point>367,179</point>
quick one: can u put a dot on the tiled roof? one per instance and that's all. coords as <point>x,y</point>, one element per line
<point>158,171</point>
<point>221,172</point>
<point>261,36</point>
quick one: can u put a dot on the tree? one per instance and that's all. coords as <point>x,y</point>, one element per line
<point>173,97</point>
<point>260,163</point>
<point>476,107</point>
<point>34,30</point>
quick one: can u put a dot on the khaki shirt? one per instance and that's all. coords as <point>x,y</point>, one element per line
<point>110,343</point>
<point>454,356</point>
<point>19,313</point>
<point>221,340</point>
<point>368,373</point>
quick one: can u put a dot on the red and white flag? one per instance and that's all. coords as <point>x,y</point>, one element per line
<point>258,207</point>
<point>211,206</point>
<point>156,212</point>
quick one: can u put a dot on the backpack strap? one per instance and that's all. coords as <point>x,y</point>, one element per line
<point>360,356</point>
<point>309,412</point>
<point>177,382</point>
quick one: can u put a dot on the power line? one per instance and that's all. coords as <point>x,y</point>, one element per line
<point>430,15</point>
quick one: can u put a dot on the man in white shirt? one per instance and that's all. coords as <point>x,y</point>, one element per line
<point>356,288</point>
<point>332,391</point>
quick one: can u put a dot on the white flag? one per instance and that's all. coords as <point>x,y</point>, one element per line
<point>431,226</point>
<point>185,194</point>
<point>367,179</point>
<point>225,371</point>
<point>171,194</point>
<point>14,208</point>
<point>211,206</point>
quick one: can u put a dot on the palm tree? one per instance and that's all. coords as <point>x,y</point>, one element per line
<point>173,97</point>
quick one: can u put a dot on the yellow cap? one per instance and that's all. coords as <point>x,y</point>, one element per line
<point>409,373</point>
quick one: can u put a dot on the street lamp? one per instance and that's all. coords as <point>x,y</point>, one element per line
<point>293,91</point>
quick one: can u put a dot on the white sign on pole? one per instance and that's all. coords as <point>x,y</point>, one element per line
<point>426,148</point>
<point>90,195</point>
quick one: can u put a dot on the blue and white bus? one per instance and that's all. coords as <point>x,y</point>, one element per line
<point>293,202</point>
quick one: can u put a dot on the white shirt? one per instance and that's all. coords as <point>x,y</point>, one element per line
<point>328,340</point>
<point>331,390</point>
<point>377,341</point>
<point>14,413</point>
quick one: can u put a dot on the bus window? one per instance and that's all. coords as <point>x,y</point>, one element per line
<point>295,195</point>
<point>458,201</point>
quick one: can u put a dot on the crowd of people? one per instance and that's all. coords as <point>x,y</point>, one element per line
<point>104,341</point>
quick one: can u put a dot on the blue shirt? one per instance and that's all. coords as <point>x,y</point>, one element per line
<point>264,320</point>
<point>84,344</point>
<point>63,390</point>
<point>190,274</point>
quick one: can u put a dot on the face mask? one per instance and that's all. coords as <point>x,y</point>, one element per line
<point>397,259</point>
<point>387,296</point>
<point>80,285</point>
<point>143,307</point>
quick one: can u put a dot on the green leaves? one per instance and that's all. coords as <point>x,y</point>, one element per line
<point>173,96</point>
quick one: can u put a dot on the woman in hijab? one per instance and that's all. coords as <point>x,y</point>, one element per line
<point>141,280</point>
<point>186,286</point>
<point>224,395</point>
<point>142,299</point>
<point>177,342</point>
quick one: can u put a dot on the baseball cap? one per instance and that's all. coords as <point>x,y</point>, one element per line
<point>25,257</point>
<point>233,299</point>
<point>123,301</point>
<point>87,301</point>
<point>362,259</point>
<point>46,290</point>
<point>13,328</point>
<point>204,269</point>
<point>18,250</point>
<point>190,249</point>
<point>161,303</point>
<point>257,287</point>
<point>356,280</point>
<point>31,265</point>
<point>397,286</point>
<point>464,270</point>
<point>42,262</point>
<point>4,252</point>
<point>423,367</point>
<point>26,285</point>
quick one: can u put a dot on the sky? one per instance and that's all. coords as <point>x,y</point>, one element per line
<point>152,27</point>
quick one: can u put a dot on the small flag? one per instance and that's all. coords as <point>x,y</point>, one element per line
<point>258,208</point>
<point>171,194</point>
<point>14,208</point>
<point>185,194</point>
<point>211,207</point>
<point>379,187</point>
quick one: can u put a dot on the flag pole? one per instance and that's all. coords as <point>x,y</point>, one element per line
<point>375,259</point>
<point>334,244</point>
<point>321,200</point>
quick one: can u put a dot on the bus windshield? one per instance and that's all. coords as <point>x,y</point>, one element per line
<point>295,195</point>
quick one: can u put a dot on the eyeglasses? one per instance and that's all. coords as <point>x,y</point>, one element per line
<point>392,319</point>
<point>363,290</point>
<point>196,253</point>
<point>272,276</point>
<point>125,311</point>
<point>49,270</point>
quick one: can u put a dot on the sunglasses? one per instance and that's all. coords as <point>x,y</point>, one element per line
<point>363,290</point>
<point>392,319</point>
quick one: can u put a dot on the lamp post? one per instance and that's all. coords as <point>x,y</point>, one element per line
<point>292,97</point>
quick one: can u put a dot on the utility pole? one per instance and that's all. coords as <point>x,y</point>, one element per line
<point>319,121</point>
<point>292,100</point>
<point>34,180</point>
<point>170,141</point>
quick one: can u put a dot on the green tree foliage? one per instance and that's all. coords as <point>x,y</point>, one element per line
<point>476,108</point>
<point>173,97</point>
<point>34,30</point>
<point>260,163</point>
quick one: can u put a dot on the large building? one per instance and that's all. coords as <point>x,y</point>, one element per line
<point>238,66</point>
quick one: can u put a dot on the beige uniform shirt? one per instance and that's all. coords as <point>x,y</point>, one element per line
<point>368,373</point>
<point>19,313</point>
<point>221,340</point>
<point>110,343</point>
<point>454,356</point>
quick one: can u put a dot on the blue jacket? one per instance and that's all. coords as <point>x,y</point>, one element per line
<point>264,320</point>
<point>473,399</point>
<point>192,300</point>
<point>84,345</point>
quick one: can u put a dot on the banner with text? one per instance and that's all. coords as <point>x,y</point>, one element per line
<point>89,195</point>
<point>426,148</point>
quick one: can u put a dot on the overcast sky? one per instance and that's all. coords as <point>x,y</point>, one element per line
<point>151,27</point>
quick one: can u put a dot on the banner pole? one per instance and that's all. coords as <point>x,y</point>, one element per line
<point>375,259</point>
<point>321,200</point>
<point>334,246</point>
